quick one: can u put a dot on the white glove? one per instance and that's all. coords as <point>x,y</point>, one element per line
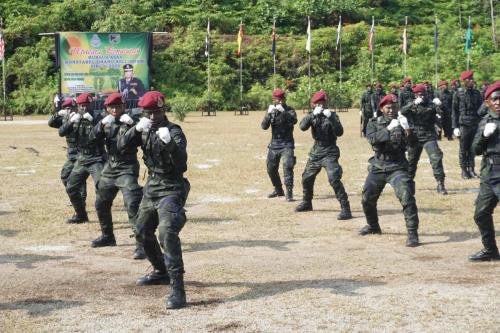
<point>327,113</point>
<point>418,100</point>
<point>87,116</point>
<point>360,113</point>
<point>403,122</point>
<point>438,116</point>
<point>393,124</point>
<point>271,109</point>
<point>456,132</point>
<point>436,101</point>
<point>489,129</point>
<point>125,118</point>
<point>317,110</point>
<point>375,114</point>
<point>143,125</point>
<point>75,118</point>
<point>62,113</point>
<point>164,134</point>
<point>108,120</point>
<point>280,108</point>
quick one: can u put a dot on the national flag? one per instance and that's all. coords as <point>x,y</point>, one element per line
<point>308,41</point>
<point>436,35</point>
<point>468,38</point>
<point>2,46</point>
<point>372,33</point>
<point>207,40</point>
<point>405,38</point>
<point>240,40</point>
<point>339,28</point>
<point>273,40</point>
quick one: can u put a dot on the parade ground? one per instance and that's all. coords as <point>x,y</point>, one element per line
<point>252,263</point>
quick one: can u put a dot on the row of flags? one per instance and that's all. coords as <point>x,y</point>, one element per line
<point>371,41</point>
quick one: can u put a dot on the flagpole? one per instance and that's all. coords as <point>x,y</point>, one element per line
<point>493,33</point>
<point>4,109</point>
<point>468,49</point>
<point>274,55</point>
<point>436,48</point>
<point>340,51</point>
<point>309,54</point>
<point>406,45</point>
<point>208,67</point>
<point>241,73</point>
<point>373,43</point>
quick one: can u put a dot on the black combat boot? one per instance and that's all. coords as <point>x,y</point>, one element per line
<point>411,185</point>
<point>177,298</point>
<point>472,173</point>
<point>304,206</point>
<point>139,252</point>
<point>441,189</point>
<point>370,229</point>
<point>156,277</point>
<point>289,193</point>
<point>345,212</point>
<point>465,174</point>
<point>104,240</point>
<point>412,240</point>
<point>278,192</point>
<point>486,254</point>
<point>78,218</point>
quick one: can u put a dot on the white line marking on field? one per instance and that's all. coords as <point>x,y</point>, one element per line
<point>203,166</point>
<point>218,199</point>
<point>252,190</point>
<point>47,248</point>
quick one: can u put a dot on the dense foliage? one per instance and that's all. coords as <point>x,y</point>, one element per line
<point>180,67</point>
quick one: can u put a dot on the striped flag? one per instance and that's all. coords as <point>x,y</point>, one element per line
<point>372,33</point>
<point>405,38</point>
<point>339,28</point>
<point>240,40</point>
<point>273,40</point>
<point>436,35</point>
<point>207,40</point>
<point>308,41</point>
<point>468,38</point>
<point>2,46</point>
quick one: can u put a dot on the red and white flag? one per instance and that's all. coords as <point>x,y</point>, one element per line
<point>372,32</point>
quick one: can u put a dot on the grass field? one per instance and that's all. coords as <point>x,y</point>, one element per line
<point>252,263</point>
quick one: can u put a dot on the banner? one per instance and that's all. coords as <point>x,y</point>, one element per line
<point>103,63</point>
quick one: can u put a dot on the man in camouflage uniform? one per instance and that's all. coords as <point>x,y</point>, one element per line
<point>421,114</point>
<point>394,90</point>
<point>388,137</point>
<point>484,87</point>
<point>120,172</point>
<point>455,85</point>
<point>164,152</point>
<point>325,128</point>
<point>281,118</point>
<point>377,97</point>
<point>367,107</point>
<point>406,93</point>
<point>465,106</point>
<point>487,143</point>
<point>68,107</point>
<point>446,98</point>
<point>90,157</point>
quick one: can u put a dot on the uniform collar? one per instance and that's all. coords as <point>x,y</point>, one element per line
<point>493,114</point>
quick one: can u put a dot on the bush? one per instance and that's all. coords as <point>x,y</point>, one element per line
<point>181,105</point>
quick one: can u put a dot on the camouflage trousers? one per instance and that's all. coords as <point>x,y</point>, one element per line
<point>374,185</point>
<point>487,199</point>
<point>107,189</point>
<point>334,173</point>
<point>273,162</point>
<point>447,128</point>
<point>66,171</point>
<point>435,157</point>
<point>77,178</point>
<point>465,154</point>
<point>166,214</point>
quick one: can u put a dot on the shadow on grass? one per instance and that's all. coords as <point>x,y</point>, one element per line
<point>26,261</point>
<point>343,287</point>
<point>2,212</point>
<point>37,307</point>
<point>8,233</point>
<point>427,210</point>
<point>210,220</point>
<point>453,237</point>
<point>275,245</point>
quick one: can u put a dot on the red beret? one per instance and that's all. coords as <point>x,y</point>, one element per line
<point>407,80</point>
<point>319,96</point>
<point>278,93</point>
<point>394,87</point>
<point>152,100</point>
<point>443,83</point>
<point>114,99</point>
<point>84,98</point>
<point>378,85</point>
<point>454,81</point>
<point>419,88</point>
<point>494,87</point>
<point>485,83</point>
<point>387,99</point>
<point>68,102</point>
<point>466,75</point>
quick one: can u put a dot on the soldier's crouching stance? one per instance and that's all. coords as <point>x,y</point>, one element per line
<point>487,143</point>
<point>164,152</point>
<point>388,137</point>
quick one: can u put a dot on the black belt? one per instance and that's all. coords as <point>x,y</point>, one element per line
<point>89,151</point>
<point>114,158</point>
<point>494,159</point>
<point>388,158</point>
<point>323,143</point>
